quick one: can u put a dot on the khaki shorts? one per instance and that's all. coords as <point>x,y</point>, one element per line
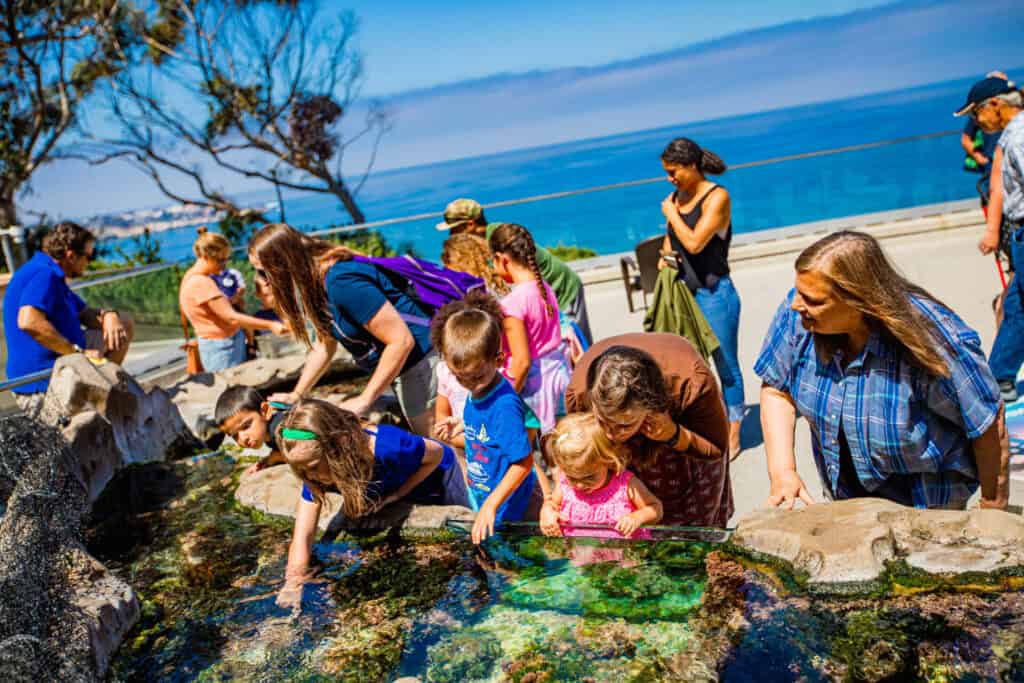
<point>416,388</point>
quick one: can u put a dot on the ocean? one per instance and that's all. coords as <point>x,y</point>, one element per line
<point>763,197</point>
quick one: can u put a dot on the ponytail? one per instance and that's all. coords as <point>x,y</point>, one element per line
<point>686,152</point>
<point>517,243</point>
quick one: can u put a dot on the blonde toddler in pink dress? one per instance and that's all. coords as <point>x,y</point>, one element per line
<point>593,486</point>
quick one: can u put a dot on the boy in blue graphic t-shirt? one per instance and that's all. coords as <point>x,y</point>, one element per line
<point>499,458</point>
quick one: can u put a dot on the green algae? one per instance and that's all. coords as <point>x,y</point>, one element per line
<point>467,655</point>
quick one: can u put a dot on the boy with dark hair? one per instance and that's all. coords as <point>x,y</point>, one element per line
<point>252,422</point>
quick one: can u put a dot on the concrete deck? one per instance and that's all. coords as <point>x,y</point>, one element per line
<point>937,252</point>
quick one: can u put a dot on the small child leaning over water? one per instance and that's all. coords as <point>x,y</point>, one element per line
<point>593,486</point>
<point>499,455</point>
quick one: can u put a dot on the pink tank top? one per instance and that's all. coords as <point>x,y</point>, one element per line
<point>604,506</point>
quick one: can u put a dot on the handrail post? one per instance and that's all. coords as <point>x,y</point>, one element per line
<point>20,237</point>
<point>5,243</point>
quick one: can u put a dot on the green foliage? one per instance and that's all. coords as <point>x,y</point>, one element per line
<point>570,252</point>
<point>369,242</point>
<point>145,250</point>
<point>151,299</point>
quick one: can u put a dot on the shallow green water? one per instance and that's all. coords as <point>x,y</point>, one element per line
<point>521,608</point>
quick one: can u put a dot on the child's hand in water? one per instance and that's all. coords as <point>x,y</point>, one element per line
<point>290,596</point>
<point>483,527</point>
<point>628,524</point>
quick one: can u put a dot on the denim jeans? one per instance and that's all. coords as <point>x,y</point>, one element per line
<point>1008,348</point>
<point>221,354</point>
<point>721,306</point>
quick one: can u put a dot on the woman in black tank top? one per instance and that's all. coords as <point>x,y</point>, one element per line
<point>699,231</point>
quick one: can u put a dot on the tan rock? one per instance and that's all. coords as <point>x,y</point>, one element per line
<point>849,542</point>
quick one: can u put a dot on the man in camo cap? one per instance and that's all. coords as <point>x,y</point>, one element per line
<point>466,215</point>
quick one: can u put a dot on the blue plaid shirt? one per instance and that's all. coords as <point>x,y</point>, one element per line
<point>909,433</point>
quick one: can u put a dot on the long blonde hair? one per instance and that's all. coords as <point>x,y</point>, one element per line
<point>469,253</point>
<point>861,276</point>
<point>577,443</point>
<point>338,438</point>
<point>294,263</point>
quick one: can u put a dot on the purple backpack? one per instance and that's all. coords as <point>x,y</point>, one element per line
<point>432,285</point>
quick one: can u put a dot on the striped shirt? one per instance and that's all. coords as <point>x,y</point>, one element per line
<point>909,433</point>
<point>1012,143</point>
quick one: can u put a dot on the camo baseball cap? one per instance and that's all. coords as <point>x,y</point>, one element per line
<point>459,212</point>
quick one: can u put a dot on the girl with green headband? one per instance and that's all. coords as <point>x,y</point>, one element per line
<point>329,449</point>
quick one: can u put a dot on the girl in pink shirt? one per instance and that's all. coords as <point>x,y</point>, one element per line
<point>593,486</point>
<point>535,362</point>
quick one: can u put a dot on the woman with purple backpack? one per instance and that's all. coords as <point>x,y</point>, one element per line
<point>368,305</point>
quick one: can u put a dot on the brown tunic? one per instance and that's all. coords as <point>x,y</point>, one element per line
<point>693,485</point>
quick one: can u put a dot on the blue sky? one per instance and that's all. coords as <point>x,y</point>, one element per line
<point>466,79</point>
<point>411,44</point>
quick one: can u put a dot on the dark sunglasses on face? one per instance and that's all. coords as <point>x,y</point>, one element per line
<point>262,274</point>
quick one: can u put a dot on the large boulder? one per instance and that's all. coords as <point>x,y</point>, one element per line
<point>849,543</point>
<point>276,491</point>
<point>62,615</point>
<point>109,420</point>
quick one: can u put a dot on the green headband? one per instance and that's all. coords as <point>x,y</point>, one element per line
<point>298,434</point>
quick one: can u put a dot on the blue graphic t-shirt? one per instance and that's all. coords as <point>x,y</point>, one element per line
<point>397,455</point>
<point>495,439</point>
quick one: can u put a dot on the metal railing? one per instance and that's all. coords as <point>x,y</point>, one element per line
<point>17,235</point>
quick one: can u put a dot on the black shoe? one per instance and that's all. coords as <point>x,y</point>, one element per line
<point>1008,390</point>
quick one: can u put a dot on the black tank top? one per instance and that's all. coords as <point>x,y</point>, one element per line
<point>713,259</point>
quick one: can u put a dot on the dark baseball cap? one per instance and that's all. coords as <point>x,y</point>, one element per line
<point>983,90</point>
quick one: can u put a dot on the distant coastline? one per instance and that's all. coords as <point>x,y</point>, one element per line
<point>134,223</point>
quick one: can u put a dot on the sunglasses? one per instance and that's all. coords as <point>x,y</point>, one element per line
<point>262,274</point>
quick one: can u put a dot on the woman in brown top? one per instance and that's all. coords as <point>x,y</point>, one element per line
<point>656,394</point>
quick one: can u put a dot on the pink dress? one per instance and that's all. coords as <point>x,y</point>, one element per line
<point>604,506</point>
<point>548,376</point>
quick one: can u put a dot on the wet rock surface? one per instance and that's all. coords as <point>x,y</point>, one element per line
<point>848,544</point>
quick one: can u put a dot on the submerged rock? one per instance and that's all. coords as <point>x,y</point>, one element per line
<point>852,544</point>
<point>276,491</point>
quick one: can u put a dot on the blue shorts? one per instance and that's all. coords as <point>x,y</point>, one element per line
<point>221,354</point>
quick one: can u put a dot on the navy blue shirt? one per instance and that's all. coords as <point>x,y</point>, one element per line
<point>397,455</point>
<point>40,284</point>
<point>496,439</point>
<point>356,291</point>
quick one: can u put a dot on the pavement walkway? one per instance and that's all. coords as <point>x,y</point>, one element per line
<point>940,257</point>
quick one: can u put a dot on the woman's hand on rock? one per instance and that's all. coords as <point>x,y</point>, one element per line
<point>787,488</point>
<point>290,596</point>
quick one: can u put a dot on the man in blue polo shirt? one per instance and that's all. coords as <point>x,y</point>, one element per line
<point>44,319</point>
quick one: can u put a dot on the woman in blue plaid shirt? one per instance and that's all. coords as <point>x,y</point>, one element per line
<point>895,387</point>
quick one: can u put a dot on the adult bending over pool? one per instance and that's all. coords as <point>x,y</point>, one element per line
<point>354,303</point>
<point>895,387</point>
<point>654,393</point>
